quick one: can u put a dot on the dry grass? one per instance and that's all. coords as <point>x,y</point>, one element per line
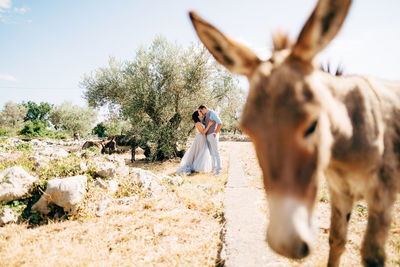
<point>357,226</point>
<point>179,226</point>
<point>148,232</point>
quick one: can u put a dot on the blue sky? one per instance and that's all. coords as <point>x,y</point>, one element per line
<point>46,46</point>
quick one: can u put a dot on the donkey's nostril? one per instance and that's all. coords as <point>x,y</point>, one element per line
<point>304,250</point>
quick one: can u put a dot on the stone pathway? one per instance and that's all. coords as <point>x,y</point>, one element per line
<point>244,239</point>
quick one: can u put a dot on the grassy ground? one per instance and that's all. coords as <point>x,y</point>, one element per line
<point>357,226</point>
<point>179,226</point>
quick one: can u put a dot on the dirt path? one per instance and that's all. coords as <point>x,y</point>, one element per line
<point>244,239</point>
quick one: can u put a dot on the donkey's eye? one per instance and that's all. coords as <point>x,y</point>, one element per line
<point>311,129</point>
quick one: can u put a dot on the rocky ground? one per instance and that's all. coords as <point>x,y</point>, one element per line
<point>64,206</point>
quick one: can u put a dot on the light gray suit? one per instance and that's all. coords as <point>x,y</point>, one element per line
<point>213,141</point>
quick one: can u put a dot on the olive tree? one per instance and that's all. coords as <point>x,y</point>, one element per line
<point>158,91</point>
<point>12,115</point>
<point>73,119</point>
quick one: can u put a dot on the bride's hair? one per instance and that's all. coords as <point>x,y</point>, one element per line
<point>195,116</point>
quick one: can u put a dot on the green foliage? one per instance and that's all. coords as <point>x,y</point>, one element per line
<point>324,197</point>
<point>34,129</point>
<point>159,90</point>
<point>64,167</point>
<point>91,152</point>
<point>6,146</point>
<point>5,131</point>
<point>129,188</point>
<point>23,147</point>
<point>231,99</point>
<point>12,116</point>
<point>362,209</point>
<point>38,129</point>
<point>37,112</point>
<point>117,126</point>
<point>73,119</point>
<point>100,130</point>
<point>16,205</point>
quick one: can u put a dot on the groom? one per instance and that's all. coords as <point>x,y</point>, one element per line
<point>212,137</point>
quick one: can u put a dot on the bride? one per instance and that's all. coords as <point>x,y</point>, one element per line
<point>197,158</point>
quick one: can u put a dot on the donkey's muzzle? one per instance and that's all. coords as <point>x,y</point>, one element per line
<point>290,230</point>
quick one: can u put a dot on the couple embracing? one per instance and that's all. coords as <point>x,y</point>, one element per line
<point>203,154</point>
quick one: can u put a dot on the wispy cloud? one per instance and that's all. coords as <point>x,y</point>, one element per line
<point>21,10</point>
<point>263,52</point>
<point>7,77</point>
<point>5,4</point>
<point>9,15</point>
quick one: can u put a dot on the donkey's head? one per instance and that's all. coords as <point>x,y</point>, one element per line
<point>286,119</point>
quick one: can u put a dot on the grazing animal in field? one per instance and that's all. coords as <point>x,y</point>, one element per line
<point>76,136</point>
<point>119,144</point>
<point>306,124</point>
<point>98,144</point>
<point>122,143</point>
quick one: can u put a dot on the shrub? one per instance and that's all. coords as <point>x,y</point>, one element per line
<point>100,130</point>
<point>38,129</point>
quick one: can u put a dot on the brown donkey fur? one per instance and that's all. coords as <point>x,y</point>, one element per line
<point>306,124</point>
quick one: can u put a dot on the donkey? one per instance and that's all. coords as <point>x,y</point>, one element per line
<point>123,143</point>
<point>307,124</point>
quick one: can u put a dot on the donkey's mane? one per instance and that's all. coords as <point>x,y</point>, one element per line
<point>281,40</point>
<point>327,68</point>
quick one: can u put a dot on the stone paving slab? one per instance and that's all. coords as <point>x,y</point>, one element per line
<point>245,228</point>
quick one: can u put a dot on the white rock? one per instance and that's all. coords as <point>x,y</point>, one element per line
<point>36,142</point>
<point>116,159</point>
<point>107,170</point>
<point>11,141</point>
<point>102,206</point>
<point>147,179</point>
<point>66,193</point>
<point>34,158</point>
<point>100,183</point>
<point>17,183</point>
<point>82,166</point>
<point>74,149</point>
<point>8,216</point>
<point>112,187</point>
<point>13,156</point>
<point>205,187</point>
<point>174,180</point>
<point>70,143</point>
<point>39,161</point>
<point>54,152</point>
<point>4,156</point>
<point>122,171</point>
<point>60,152</point>
<point>41,164</point>
<point>137,172</point>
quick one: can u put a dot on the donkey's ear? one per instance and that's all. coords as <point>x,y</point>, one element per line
<point>320,28</point>
<point>234,56</point>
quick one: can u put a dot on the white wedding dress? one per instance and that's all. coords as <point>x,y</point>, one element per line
<point>197,158</point>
